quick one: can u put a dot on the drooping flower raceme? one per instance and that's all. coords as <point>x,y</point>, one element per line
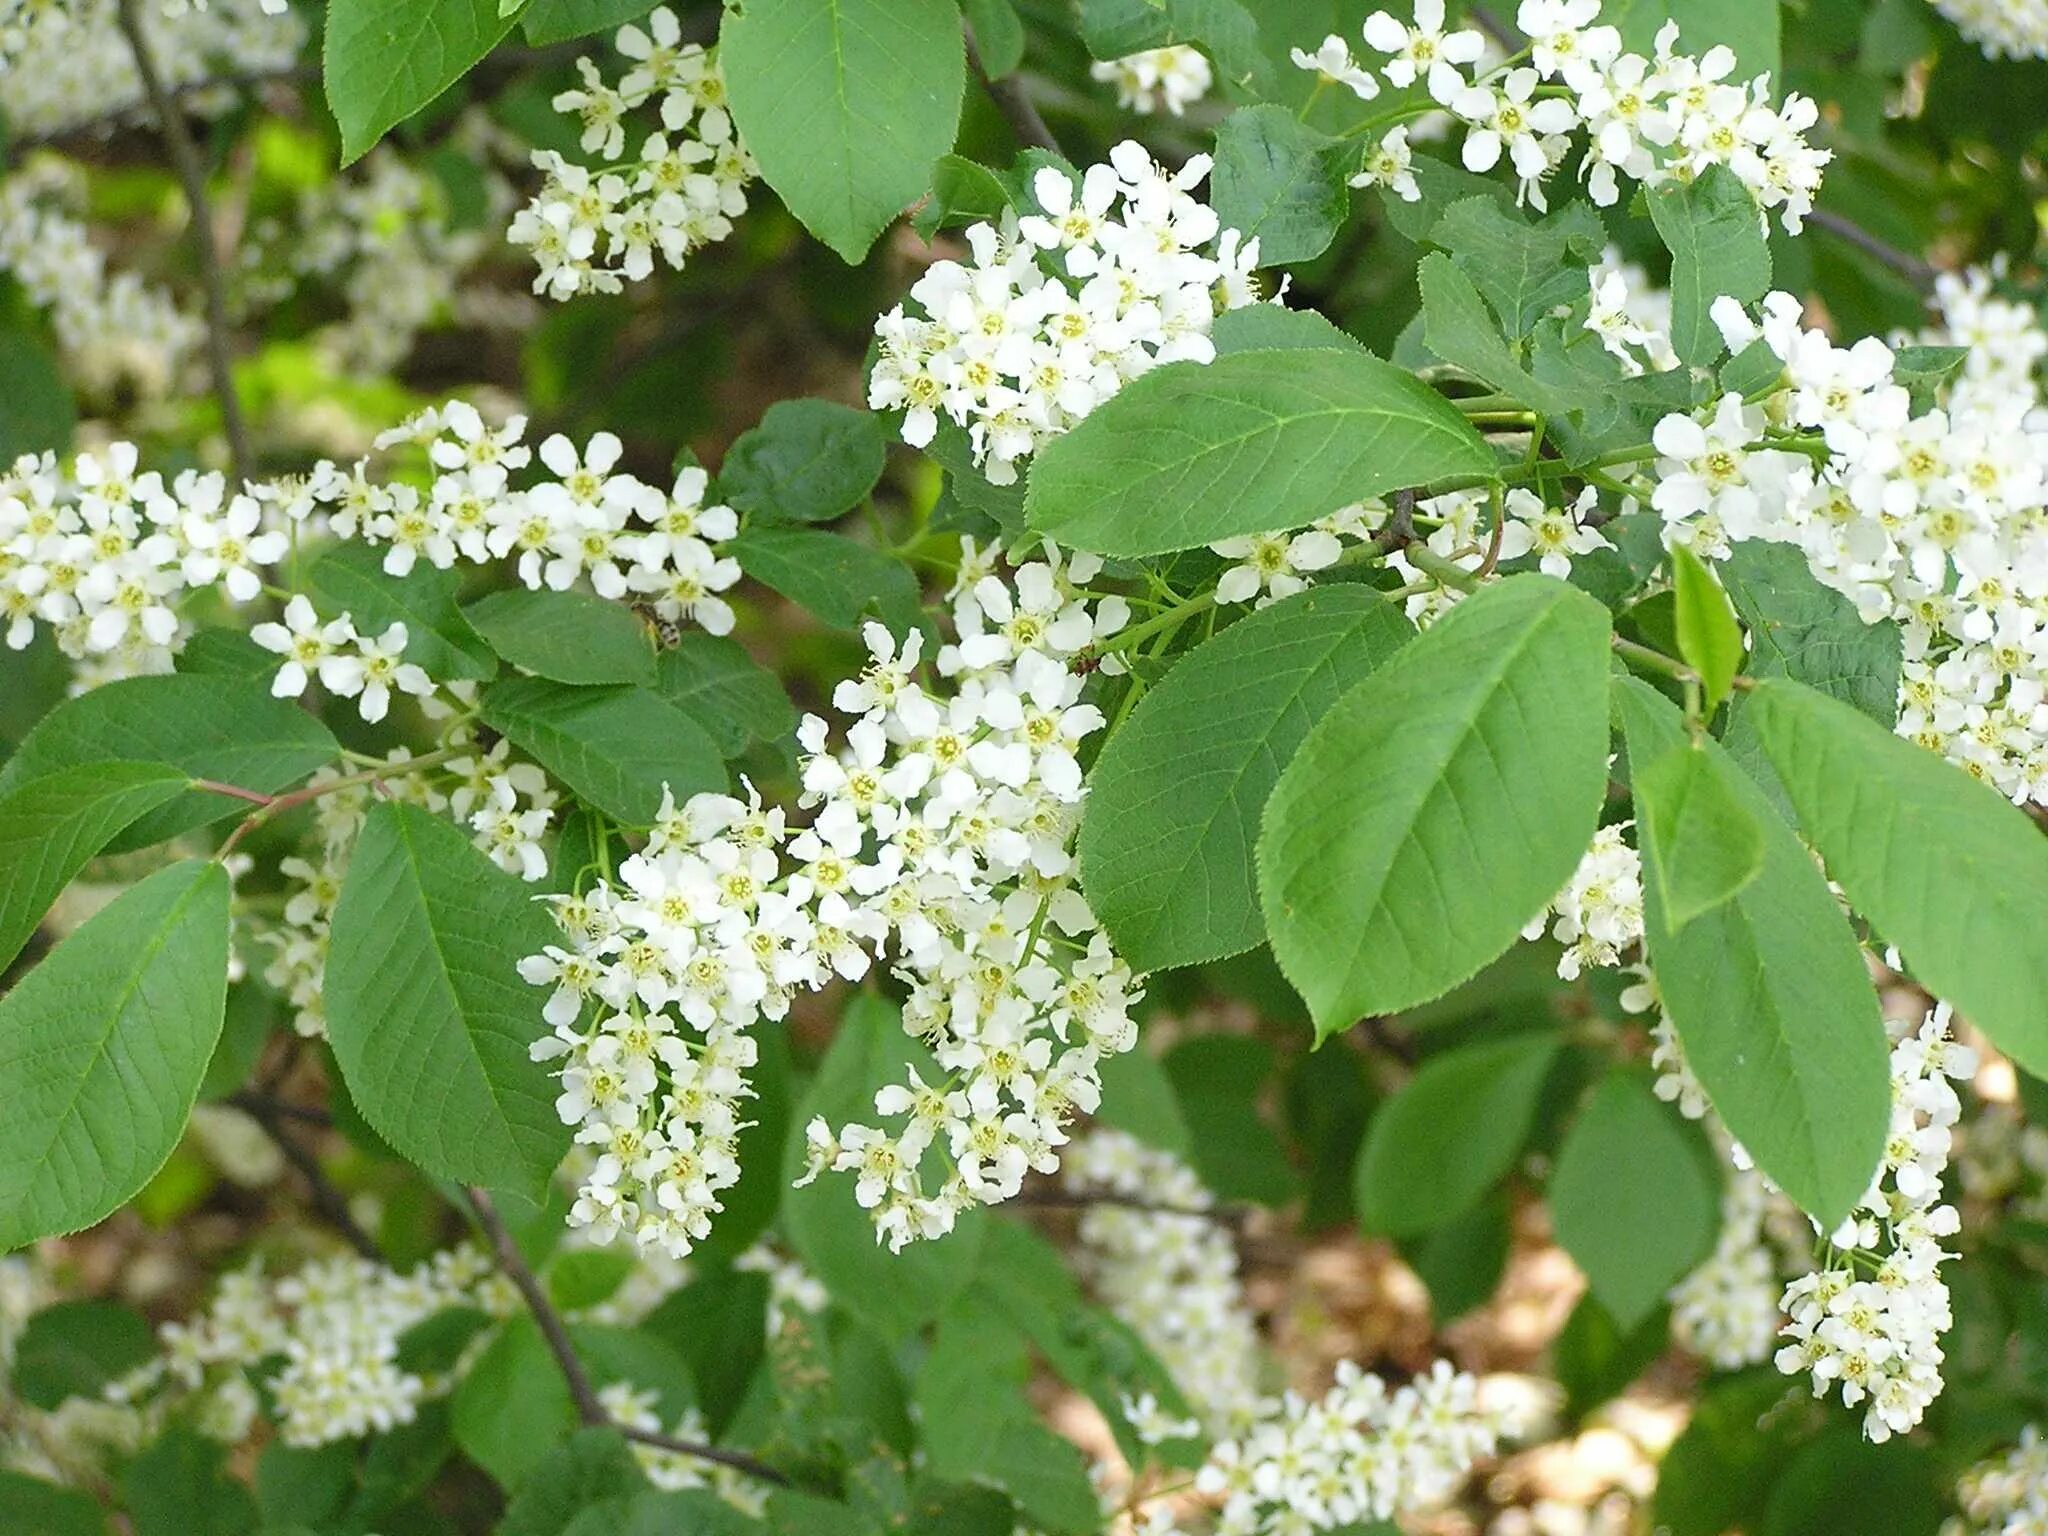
<point>1171,1276</point>
<point>939,836</point>
<point>1169,79</point>
<point>2004,29</point>
<point>658,188</point>
<point>1878,1339</point>
<point>2007,1495</point>
<point>1061,306</point>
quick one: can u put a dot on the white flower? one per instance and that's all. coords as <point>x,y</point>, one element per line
<point>1424,51</point>
<point>1333,64</point>
<point>304,642</point>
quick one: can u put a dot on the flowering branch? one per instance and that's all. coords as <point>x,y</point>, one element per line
<point>192,175</point>
<point>1012,100</point>
<point>556,1334</point>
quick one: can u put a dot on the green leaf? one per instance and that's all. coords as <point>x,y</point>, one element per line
<point>386,59</point>
<point>1219,1080</point>
<point>963,192</point>
<point>178,1487</point>
<point>690,1512</point>
<point>1175,798</point>
<point>566,637</point>
<point>1273,327</point>
<point>978,1424</point>
<point>1708,637</point>
<point>893,1293</point>
<point>37,414</point>
<point>1632,1198</point>
<point>351,578</point>
<point>830,575</point>
<point>1227,31</point>
<point>1446,1138</point>
<point>807,462</point>
<point>512,1407</point>
<point>1803,630</point>
<point>1594,1360</point>
<point>1138,1097</point>
<point>1458,328</point>
<point>31,1507</point>
<point>556,21</point>
<point>1281,182</point>
<point>209,727</point>
<point>1460,1261</point>
<point>1923,371</point>
<point>1897,1487</point>
<point>1440,803</point>
<point>1708,846</point>
<point>595,1464</point>
<point>1750,29</point>
<point>1715,234</point>
<point>719,1323</point>
<point>429,1020</point>
<point>1190,453</point>
<point>305,1488</point>
<point>1946,867</point>
<point>1716,1475</point>
<point>1524,269</point>
<point>75,1348</point>
<point>713,680</point>
<point>615,747</point>
<point>845,105</point>
<point>1771,1000</point>
<point>50,827</point>
<point>102,1047</point>
<point>226,653</point>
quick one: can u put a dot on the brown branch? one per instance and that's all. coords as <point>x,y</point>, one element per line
<point>191,171</point>
<point>327,1199</point>
<point>258,1104</point>
<point>1012,100</point>
<point>556,1334</point>
<point>1914,269</point>
<point>1399,531</point>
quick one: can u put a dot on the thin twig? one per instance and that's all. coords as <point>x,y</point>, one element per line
<point>1399,531</point>
<point>192,174</point>
<point>254,1102</point>
<point>1507,37</point>
<point>1914,269</point>
<point>327,1199</point>
<point>1012,100</point>
<point>556,1334</point>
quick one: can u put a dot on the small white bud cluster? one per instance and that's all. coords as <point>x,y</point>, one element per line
<point>1060,308</point>
<point>1172,78</point>
<point>1878,1339</point>
<point>1667,117</point>
<point>1934,520</point>
<point>2006,1495</point>
<point>1171,1277</point>
<point>332,1328</point>
<point>112,328</point>
<point>592,230</point>
<point>633,1407</point>
<point>105,555</point>
<point>67,62</point>
<point>1359,1453</point>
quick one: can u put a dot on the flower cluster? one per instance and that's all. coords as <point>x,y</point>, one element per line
<point>1163,1263</point>
<point>1059,308</point>
<point>103,555</point>
<point>2004,29</point>
<point>330,1328</point>
<point>594,228</point>
<point>1879,1339</point>
<point>2006,1495</point>
<point>1599,913</point>
<point>1359,1453</point>
<point>1174,78</point>
<point>112,328</point>
<point>1933,519</point>
<point>1726,1310</point>
<point>1630,315</point>
<point>64,63</point>
<point>941,828</point>
<point>583,520</point>
<point>1670,116</point>
<point>633,1407</point>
